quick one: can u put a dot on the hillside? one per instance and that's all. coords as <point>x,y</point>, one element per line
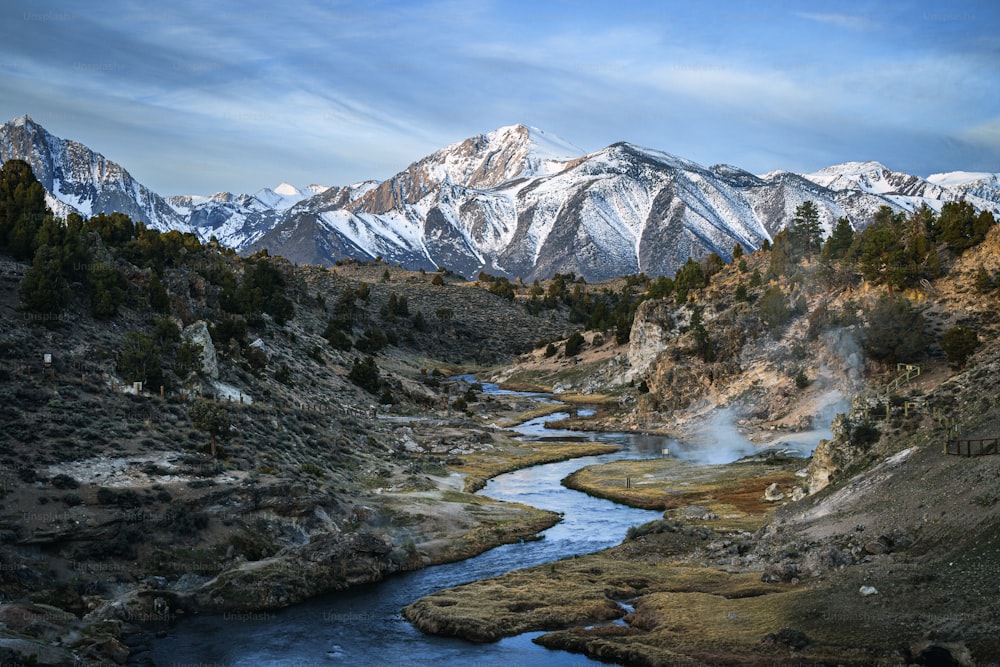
<point>866,553</point>
<point>288,439</point>
<point>310,435</point>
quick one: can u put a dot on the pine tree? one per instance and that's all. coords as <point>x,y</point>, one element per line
<point>895,331</point>
<point>140,360</point>
<point>702,341</point>
<point>959,343</point>
<point>44,289</point>
<point>983,282</point>
<point>211,418</point>
<point>783,253</point>
<point>807,233</point>
<point>159,300</point>
<point>840,240</point>
<point>107,290</point>
<point>574,344</point>
<point>365,374</point>
<point>775,309</point>
<point>22,208</point>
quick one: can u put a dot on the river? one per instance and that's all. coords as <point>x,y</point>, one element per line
<point>364,626</point>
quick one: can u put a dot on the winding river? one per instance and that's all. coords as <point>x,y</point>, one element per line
<point>363,626</point>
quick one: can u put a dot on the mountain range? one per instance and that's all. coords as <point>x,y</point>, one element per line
<point>516,202</point>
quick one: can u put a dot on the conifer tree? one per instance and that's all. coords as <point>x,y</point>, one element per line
<point>983,281</point>
<point>959,343</point>
<point>807,234</point>
<point>22,208</point>
<point>44,289</point>
<point>895,331</point>
<point>839,243</point>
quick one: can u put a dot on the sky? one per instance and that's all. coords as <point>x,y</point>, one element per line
<point>201,97</point>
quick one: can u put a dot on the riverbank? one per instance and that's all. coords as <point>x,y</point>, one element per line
<point>862,574</point>
<point>736,496</point>
<point>678,585</point>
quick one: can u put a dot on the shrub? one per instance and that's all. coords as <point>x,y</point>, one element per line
<point>574,344</point>
<point>365,374</point>
<point>802,380</point>
<point>959,343</point>
<point>44,289</point>
<point>336,336</point>
<point>774,307</point>
<point>64,482</point>
<point>107,291</point>
<point>895,331</point>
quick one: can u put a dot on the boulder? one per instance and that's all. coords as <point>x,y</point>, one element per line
<point>197,333</point>
<point>773,493</point>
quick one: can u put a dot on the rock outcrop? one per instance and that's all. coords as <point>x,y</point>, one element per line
<point>198,334</point>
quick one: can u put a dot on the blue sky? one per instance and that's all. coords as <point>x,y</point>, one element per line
<point>196,97</point>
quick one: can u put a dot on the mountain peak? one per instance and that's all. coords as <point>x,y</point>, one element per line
<point>287,189</point>
<point>541,144</point>
<point>868,176</point>
<point>22,121</point>
<point>851,168</point>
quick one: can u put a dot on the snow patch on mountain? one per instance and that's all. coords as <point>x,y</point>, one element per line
<point>953,178</point>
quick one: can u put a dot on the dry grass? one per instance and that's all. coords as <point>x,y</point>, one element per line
<point>734,492</point>
<point>479,467</point>
<point>521,417</point>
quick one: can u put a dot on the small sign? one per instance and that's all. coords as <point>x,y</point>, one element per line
<point>137,386</point>
<point>47,360</point>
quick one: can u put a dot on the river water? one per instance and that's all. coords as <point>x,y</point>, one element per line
<point>363,626</point>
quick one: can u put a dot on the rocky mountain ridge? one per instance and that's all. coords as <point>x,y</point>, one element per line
<point>514,202</point>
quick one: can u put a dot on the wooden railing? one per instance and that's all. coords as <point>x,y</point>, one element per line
<point>906,373</point>
<point>972,446</point>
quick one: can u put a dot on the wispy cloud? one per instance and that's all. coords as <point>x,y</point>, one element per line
<point>339,92</point>
<point>848,21</point>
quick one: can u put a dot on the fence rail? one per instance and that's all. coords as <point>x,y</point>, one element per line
<point>973,447</point>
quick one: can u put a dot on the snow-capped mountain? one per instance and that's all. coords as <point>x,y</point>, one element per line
<point>515,202</point>
<point>518,202</point>
<point>239,220</point>
<point>78,179</point>
<point>910,191</point>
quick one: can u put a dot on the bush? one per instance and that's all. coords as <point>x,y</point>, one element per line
<point>574,344</point>
<point>959,343</point>
<point>365,374</point>
<point>107,291</point>
<point>864,435</point>
<point>802,380</point>
<point>774,307</point>
<point>373,341</point>
<point>64,482</point>
<point>140,360</point>
<point>284,375</point>
<point>44,289</point>
<point>336,336</point>
<point>895,331</point>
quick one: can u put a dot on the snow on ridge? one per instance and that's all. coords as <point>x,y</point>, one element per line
<point>954,178</point>
<point>281,197</point>
<point>550,147</point>
<point>840,176</point>
<point>663,157</point>
<point>287,190</point>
